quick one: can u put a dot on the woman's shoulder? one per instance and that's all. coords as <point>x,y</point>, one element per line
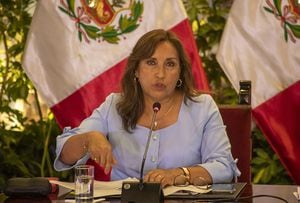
<point>201,106</point>
<point>112,98</point>
<point>115,96</point>
<point>202,102</point>
<point>201,99</point>
<point>110,101</point>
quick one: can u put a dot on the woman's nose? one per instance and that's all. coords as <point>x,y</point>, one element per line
<point>161,71</point>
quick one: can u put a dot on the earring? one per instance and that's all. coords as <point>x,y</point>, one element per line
<point>136,79</point>
<point>179,83</point>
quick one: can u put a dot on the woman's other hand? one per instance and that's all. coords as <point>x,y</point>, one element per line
<point>164,176</point>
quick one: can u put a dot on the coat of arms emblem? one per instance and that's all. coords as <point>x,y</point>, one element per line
<point>288,13</point>
<point>103,20</point>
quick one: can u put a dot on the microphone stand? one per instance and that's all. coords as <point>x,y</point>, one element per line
<point>141,192</point>
<point>146,149</point>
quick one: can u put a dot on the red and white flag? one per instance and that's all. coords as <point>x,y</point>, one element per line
<point>76,49</point>
<point>261,43</point>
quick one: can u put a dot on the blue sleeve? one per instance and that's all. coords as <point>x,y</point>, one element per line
<point>96,122</point>
<point>215,148</point>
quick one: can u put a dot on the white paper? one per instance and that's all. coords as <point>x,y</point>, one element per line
<point>190,188</point>
<point>103,188</point>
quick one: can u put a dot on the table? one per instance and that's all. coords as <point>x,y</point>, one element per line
<point>283,191</point>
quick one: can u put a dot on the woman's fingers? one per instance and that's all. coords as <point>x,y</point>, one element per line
<point>165,177</point>
<point>101,152</point>
<point>109,162</point>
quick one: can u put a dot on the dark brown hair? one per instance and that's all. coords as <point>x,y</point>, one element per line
<point>131,105</point>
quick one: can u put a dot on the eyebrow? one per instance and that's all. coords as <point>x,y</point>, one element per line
<point>170,58</point>
<point>173,58</point>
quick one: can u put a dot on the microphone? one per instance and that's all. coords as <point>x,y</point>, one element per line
<point>156,108</point>
<point>136,192</point>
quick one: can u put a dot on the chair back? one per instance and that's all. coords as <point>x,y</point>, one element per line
<point>237,119</point>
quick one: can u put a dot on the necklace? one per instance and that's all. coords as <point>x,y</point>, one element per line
<point>170,108</point>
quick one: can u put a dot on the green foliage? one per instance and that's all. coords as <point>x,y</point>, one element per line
<point>266,166</point>
<point>26,146</point>
<point>208,20</point>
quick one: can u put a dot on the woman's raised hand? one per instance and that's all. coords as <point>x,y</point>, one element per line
<point>100,150</point>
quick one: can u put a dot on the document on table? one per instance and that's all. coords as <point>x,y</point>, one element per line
<point>103,188</point>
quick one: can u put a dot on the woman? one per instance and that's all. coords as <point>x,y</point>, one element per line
<point>189,138</point>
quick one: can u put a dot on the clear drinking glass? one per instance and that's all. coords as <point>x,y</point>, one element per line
<point>84,183</point>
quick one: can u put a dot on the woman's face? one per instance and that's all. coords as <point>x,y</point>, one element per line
<point>159,73</point>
